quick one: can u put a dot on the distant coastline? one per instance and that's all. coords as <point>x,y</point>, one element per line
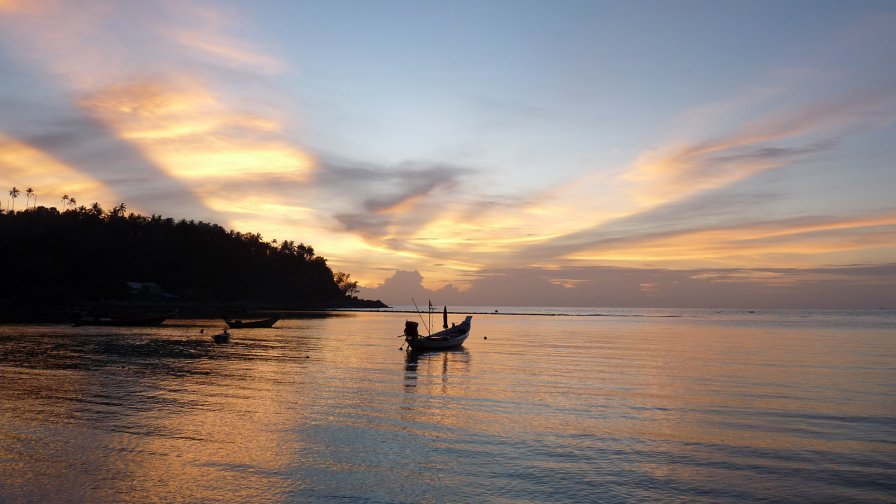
<point>648,313</point>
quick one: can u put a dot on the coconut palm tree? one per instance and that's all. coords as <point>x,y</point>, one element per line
<point>72,202</point>
<point>64,200</point>
<point>14,192</point>
<point>28,194</point>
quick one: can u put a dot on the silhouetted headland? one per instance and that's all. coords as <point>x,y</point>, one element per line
<point>53,263</point>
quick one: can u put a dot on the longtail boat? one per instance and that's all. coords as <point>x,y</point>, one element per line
<point>249,324</point>
<point>451,337</point>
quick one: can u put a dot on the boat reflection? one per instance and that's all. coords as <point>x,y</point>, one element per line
<point>430,364</point>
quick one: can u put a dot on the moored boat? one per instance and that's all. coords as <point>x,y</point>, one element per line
<point>451,337</point>
<point>249,324</point>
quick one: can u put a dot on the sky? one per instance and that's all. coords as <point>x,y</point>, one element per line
<point>512,153</point>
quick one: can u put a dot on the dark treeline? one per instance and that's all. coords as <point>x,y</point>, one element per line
<point>88,255</point>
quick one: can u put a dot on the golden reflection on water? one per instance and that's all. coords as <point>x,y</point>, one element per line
<point>203,433</point>
<point>444,375</point>
<point>155,425</point>
<point>545,409</point>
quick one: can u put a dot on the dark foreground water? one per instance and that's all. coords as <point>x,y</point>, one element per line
<point>627,406</point>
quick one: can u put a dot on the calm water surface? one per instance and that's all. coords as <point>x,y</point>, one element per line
<point>612,406</point>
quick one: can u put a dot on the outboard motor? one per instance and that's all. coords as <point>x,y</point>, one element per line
<point>410,329</point>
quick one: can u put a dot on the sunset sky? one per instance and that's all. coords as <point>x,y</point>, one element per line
<point>668,153</point>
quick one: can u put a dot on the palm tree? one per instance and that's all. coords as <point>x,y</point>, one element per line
<point>96,209</point>
<point>72,202</point>
<point>28,194</point>
<point>119,209</point>
<point>65,200</point>
<point>14,192</point>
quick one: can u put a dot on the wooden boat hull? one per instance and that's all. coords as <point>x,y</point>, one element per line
<point>452,337</point>
<point>252,324</point>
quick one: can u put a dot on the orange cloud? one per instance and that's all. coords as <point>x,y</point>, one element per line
<point>25,166</point>
<point>181,125</point>
<point>772,278</point>
<point>796,242</point>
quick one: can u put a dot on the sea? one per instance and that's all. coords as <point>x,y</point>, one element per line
<point>540,405</point>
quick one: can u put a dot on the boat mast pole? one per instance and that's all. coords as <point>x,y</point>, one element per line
<point>421,316</point>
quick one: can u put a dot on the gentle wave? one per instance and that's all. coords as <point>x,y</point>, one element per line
<point>628,405</point>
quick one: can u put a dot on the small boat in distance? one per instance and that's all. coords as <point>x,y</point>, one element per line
<point>223,337</point>
<point>451,337</point>
<point>139,320</point>
<point>249,324</point>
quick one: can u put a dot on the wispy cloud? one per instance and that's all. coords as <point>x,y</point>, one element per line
<point>142,111</point>
<point>109,166</point>
<point>18,160</point>
<point>717,228</point>
<point>783,137</point>
<point>686,206</point>
<point>206,32</point>
<point>390,200</point>
<point>179,122</point>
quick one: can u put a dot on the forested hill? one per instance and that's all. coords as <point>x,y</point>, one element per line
<point>86,254</point>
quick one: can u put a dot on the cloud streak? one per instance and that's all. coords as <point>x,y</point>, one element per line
<point>784,137</point>
<point>82,144</point>
<point>150,128</point>
<point>392,200</point>
<point>696,232</point>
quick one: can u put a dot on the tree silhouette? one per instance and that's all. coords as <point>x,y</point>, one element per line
<point>85,255</point>
<point>65,200</point>
<point>119,210</point>
<point>345,283</point>
<point>28,194</point>
<point>14,192</point>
